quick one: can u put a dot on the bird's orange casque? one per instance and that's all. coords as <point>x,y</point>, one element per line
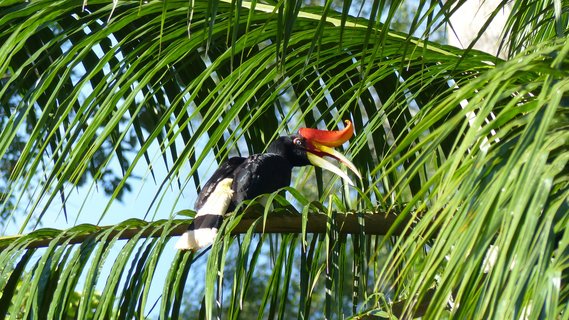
<point>327,138</point>
<point>320,143</point>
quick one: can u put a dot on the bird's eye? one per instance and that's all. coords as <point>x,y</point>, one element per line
<point>297,141</point>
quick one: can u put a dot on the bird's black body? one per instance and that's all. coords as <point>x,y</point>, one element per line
<point>259,173</point>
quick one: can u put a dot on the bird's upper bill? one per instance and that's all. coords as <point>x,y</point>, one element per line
<point>319,143</point>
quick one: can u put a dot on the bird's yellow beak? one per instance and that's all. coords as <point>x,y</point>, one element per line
<point>320,143</point>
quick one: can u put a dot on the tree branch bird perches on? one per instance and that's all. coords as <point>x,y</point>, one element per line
<point>239,178</point>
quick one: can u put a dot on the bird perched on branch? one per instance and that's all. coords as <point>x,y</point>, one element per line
<point>240,178</point>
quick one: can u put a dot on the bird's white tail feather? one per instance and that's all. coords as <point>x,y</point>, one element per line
<point>217,203</point>
<point>196,239</point>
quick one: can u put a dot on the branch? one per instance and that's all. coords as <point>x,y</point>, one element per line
<point>282,221</point>
<point>373,223</point>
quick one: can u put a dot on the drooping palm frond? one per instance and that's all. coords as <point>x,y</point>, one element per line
<point>504,198</point>
<point>470,152</point>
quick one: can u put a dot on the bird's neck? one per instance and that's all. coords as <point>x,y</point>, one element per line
<point>277,148</point>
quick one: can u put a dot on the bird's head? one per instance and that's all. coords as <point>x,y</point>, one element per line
<point>310,147</point>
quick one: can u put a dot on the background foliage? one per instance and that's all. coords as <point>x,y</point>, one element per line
<point>468,150</point>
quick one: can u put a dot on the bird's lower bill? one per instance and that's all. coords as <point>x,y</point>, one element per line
<point>319,161</point>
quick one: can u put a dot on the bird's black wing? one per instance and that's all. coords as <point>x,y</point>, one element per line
<point>260,174</point>
<point>225,170</point>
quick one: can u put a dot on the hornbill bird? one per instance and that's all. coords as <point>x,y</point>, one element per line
<point>240,178</point>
